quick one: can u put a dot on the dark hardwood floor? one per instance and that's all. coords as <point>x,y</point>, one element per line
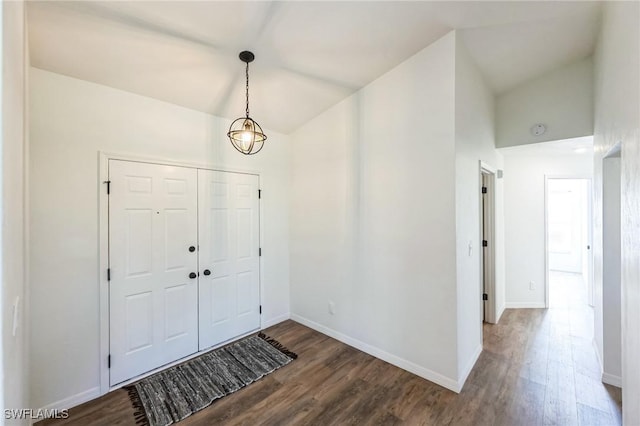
<point>538,367</point>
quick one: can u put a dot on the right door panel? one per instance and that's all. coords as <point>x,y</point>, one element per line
<point>229,302</point>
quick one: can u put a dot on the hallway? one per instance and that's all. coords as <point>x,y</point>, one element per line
<point>544,363</point>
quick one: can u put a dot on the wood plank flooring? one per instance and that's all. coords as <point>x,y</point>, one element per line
<point>538,367</point>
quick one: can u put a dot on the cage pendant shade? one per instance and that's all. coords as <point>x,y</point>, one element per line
<point>245,133</point>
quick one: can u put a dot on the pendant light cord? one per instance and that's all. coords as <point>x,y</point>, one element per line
<point>247,73</point>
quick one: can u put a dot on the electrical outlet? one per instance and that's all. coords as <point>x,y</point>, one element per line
<point>332,307</point>
<point>532,285</point>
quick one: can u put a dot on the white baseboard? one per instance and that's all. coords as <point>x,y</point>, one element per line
<point>607,378</point>
<point>612,380</point>
<point>73,400</point>
<point>595,349</point>
<point>276,320</point>
<point>525,305</point>
<point>409,366</point>
<point>467,370</point>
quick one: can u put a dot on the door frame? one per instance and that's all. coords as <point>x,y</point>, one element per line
<point>488,254</point>
<point>103,252</point>
<point>605,302</point>
<point>589,179</point>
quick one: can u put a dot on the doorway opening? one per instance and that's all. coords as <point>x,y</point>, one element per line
<point>487,243</point>
<point>568,241</point>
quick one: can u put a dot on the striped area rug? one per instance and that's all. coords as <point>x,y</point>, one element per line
<point>174,394</point>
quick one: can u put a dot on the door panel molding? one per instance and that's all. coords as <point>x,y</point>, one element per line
<point>229,298</point>
<point>145,330</point>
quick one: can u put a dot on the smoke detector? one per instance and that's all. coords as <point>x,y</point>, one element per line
<point>538,129</point>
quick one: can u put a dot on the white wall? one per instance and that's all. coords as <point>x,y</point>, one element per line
<point>617,120</point>
<point>562,100</point>
<point>609,308</point>
<point>475,142</point>
<point>71,120</point>
<point>524,211</point>
<point>373,218</point>
<point>372,231</point>
<point>12,207</point>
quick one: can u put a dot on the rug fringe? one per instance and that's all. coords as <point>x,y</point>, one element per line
<point>139,414</point>
<point>279,346</point>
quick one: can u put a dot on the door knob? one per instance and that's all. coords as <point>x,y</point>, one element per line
<point>207,272</point>
<point>192,249</point>
<point>192,275</point>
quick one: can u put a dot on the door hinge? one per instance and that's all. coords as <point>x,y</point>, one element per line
<point>108,182</point>
<point>484,189</point>
<point>109,361</point>
<point>259,251</point>
<point>108,274</point>
<point>259,193</point>
<point>484,243</point>
<point>260,309</point>
<point>485,296</point>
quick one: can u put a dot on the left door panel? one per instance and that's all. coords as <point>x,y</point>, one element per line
<point>153,300</point>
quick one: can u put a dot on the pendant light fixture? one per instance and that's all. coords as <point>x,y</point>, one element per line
<point>245,134</point>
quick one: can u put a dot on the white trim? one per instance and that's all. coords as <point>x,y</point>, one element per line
<point>591,287</point>
<point>127,156</point>
<point>103,255</point>
<point>409,366</point>
<point>472,362</point>
<point>595,348</point>
<point>525,305</point>
<point>487,167</point>
<point>612,380</point>
<point>607,378</point>
<point>73,400</point>
<point>615,151</point>
<point>500,312</point>
<point>260,240</point>
<point>488,254</point>
<point>276,320</point>
<point>103,264</point>
<point>26,214</point>
<point>546,241</point>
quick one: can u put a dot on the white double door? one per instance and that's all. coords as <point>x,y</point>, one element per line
<point>168,298</point>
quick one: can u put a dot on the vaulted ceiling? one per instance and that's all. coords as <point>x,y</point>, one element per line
<point>309,55</point>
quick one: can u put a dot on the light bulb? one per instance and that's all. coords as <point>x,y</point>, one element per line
<point>246,138</point>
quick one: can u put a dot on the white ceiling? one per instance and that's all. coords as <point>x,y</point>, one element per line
<point>309,55</point>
